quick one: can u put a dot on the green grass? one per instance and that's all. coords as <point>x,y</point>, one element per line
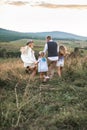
<point>59,104</point>
<point>15,45</point>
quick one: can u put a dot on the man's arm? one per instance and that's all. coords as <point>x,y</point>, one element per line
<point>58,48</point>
<point>45,48</point>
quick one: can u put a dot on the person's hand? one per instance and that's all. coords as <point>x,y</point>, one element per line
<point>36,62</point>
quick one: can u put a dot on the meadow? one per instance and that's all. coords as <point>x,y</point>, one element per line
<point>59,104</point>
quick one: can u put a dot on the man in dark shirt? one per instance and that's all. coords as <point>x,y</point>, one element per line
<point>52,48</point>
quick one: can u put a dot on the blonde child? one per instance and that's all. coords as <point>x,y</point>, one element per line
<point>60,62</point>
<point>42,66</point>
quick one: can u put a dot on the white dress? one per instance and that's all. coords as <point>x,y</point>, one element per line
<point>27,56</point>
<point>42,65</point>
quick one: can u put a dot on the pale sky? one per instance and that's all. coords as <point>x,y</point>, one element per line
<point>44,15</point>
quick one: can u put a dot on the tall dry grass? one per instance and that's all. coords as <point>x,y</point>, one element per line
<point>12,68</point>
<point>59,104</point>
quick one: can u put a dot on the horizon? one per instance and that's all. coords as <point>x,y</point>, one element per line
<point>44,32</point>
<point>44,16</point>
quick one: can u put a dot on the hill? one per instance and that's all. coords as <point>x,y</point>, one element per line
<point>8,35</point>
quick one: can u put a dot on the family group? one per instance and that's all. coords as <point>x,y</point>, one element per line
<point>45,66</point>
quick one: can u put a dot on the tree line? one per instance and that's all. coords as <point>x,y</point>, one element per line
<point>9,54</point>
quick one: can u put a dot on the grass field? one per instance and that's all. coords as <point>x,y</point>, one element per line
<point>59,104</point>
<point>15,45</point>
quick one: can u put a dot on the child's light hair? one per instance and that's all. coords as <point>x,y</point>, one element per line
<point>62,50</point>
<point>41,52</point>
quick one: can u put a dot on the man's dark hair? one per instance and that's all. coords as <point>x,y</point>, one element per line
<point>49,37</point>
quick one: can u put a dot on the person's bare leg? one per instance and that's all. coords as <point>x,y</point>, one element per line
<point>52,69</point>
<point>59,71</point>
<point>49,69</point>
<point>33,74</point>
<point>41,75</point>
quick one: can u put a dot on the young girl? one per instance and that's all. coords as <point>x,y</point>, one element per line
<point>60,62</point>
<point>42,66</point>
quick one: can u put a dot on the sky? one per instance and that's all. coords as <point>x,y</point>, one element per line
<point>44,15</point>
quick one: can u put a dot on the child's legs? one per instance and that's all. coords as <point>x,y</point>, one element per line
<point>60,64</point>
<point>59,70</point>
<point>42,75</point>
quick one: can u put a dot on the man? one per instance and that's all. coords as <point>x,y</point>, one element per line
<point>52,48</point>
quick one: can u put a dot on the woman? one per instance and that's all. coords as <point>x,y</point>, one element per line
<point>28,57</point>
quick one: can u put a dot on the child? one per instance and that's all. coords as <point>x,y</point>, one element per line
<point>42,66</point>
<point>60,62</point>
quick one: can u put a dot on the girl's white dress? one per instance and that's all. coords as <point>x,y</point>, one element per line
<point>42,65</point>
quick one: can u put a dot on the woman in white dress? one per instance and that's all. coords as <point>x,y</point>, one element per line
<point>28,58</point>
